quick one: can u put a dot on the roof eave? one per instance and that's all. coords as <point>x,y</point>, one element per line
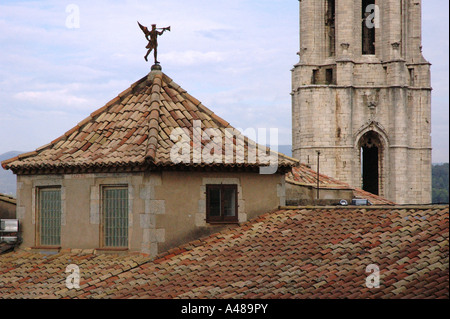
<point>138,167</point>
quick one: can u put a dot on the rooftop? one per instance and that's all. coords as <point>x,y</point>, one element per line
<point>289,253</point>
<point>133,131</point>
<point>304,176</point>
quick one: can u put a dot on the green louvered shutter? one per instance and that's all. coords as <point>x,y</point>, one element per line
<point>115,216</point>
<point>49,216</point>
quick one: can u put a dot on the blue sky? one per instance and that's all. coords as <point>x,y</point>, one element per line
<point>235,56</point>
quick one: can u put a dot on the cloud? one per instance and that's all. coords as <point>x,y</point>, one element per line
<point>192,57</point>
<point>53,99</point>
<point>235,56</point>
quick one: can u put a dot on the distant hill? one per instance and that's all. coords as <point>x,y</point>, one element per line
<point>7,178</point>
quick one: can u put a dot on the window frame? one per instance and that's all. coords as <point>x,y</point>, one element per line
<point>222,218</point>
<point>38,221</point>
<point>103,244</point>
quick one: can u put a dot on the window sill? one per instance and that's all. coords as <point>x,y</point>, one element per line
<point>111,249</point>
<point>222,222</point>
<point>46,247</point>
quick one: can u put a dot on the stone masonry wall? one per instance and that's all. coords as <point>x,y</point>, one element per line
<point>388,93</point>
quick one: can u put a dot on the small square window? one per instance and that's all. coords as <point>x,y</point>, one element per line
<point>221,203</point>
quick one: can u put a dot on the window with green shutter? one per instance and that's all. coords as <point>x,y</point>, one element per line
<point>115,216</point>
<point>49,216</point>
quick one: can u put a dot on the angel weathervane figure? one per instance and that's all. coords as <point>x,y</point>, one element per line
<point>151,37</point>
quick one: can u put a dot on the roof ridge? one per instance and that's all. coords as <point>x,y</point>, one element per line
<point>154,116</point>
<point>197,103</point>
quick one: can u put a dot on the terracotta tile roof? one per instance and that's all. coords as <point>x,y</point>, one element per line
<point>305,176</point>
<point>134,129</point>
<point>301,253</point>
<point>32,275</point>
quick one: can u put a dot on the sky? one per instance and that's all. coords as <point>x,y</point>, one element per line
<point>62,60</point>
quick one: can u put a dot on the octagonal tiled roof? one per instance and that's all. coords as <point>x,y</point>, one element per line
<point>135,128</point>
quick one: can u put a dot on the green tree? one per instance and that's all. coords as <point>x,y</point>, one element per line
<point>440,181</point>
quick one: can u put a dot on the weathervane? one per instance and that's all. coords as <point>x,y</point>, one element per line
<point>151,37</point>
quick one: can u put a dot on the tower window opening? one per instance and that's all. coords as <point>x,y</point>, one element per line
<point>315,76</point>
<point>411,76</point>
<point>368,27</point>
<point>329,76</point>
<point>370,151</point>
<point>330,23</point>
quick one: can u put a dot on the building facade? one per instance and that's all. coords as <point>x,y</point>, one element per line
<point>118,182</point>
<point>361,96</point>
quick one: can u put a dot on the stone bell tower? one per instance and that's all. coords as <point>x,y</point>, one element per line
<point>361,95</point>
